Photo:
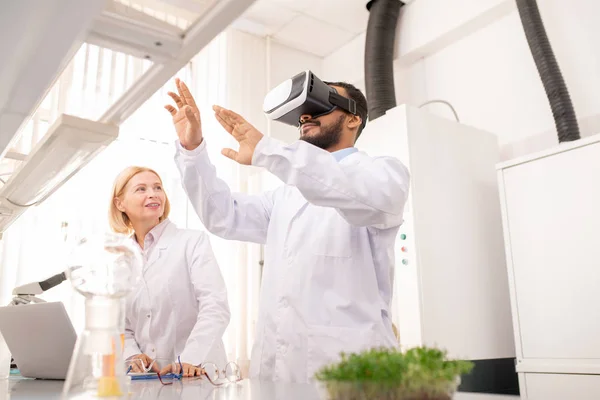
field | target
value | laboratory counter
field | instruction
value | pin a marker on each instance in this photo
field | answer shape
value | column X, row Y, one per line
column 16, row 388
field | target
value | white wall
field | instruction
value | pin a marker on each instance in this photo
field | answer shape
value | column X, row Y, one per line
column 490, row 77
column 247, row 84
column 347, row 64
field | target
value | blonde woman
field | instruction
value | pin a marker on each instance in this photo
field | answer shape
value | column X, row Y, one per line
column 179, row 308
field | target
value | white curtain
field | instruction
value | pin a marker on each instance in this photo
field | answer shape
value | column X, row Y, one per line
column 34, row 247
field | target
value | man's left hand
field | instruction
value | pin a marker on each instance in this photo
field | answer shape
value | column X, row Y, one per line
column 246, row 135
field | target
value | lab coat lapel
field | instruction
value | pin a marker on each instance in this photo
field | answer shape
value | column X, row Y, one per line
column 163, row 243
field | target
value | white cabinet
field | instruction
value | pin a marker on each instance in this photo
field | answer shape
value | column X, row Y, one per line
column 551, row 218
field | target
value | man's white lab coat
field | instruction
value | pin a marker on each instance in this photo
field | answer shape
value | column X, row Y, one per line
column 180, row 306
column 329, row 257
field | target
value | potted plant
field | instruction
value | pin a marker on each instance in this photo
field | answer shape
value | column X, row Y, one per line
column 420, row 373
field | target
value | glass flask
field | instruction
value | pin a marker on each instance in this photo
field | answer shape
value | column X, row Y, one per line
column 104, row 269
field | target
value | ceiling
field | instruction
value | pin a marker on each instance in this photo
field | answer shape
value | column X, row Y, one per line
column 319, row 27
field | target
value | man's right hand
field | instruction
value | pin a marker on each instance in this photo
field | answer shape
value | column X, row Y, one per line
column 186, row 117
column 140, row 362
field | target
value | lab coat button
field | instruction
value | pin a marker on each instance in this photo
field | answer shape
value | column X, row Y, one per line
column 148, row 315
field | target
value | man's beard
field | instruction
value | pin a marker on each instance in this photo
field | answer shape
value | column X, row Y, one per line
column 327, row 137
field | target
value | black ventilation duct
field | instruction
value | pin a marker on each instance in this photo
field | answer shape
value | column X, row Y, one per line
column 554, row 84
column 379, row 56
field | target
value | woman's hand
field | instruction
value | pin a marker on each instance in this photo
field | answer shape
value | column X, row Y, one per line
column 189, row 370
column 186, row 117
column 140, row 362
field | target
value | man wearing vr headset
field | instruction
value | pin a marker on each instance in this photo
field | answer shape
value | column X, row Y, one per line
column 329, row 231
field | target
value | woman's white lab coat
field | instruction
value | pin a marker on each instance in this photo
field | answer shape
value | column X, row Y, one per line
column 180, row 306
column 329, row 258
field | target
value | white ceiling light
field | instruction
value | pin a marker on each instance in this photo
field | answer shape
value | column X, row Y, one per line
column 70, row 143
column 39, row 38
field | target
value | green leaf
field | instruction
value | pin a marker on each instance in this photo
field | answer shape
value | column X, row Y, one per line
column 421, row 370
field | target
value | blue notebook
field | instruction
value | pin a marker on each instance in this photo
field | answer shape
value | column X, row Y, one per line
column 151, row 375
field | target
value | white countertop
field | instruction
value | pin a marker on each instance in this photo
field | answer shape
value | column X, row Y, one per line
column 31, row 389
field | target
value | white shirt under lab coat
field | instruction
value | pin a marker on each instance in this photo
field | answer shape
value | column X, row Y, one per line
column 179, row 307
column 329, row 255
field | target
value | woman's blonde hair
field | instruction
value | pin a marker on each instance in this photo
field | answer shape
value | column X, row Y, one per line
column 118, row 220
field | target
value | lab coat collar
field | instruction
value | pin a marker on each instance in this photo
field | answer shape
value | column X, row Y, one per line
column 341, row 154
column 352, row 157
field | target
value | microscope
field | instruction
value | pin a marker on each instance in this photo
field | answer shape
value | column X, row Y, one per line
column 26, row 294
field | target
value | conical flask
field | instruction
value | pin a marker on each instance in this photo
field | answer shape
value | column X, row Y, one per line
column 104, row 269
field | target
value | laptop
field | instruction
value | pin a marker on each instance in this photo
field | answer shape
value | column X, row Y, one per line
column 40, row 337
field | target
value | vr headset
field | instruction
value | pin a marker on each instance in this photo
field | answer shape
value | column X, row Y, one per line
column 304, row 94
